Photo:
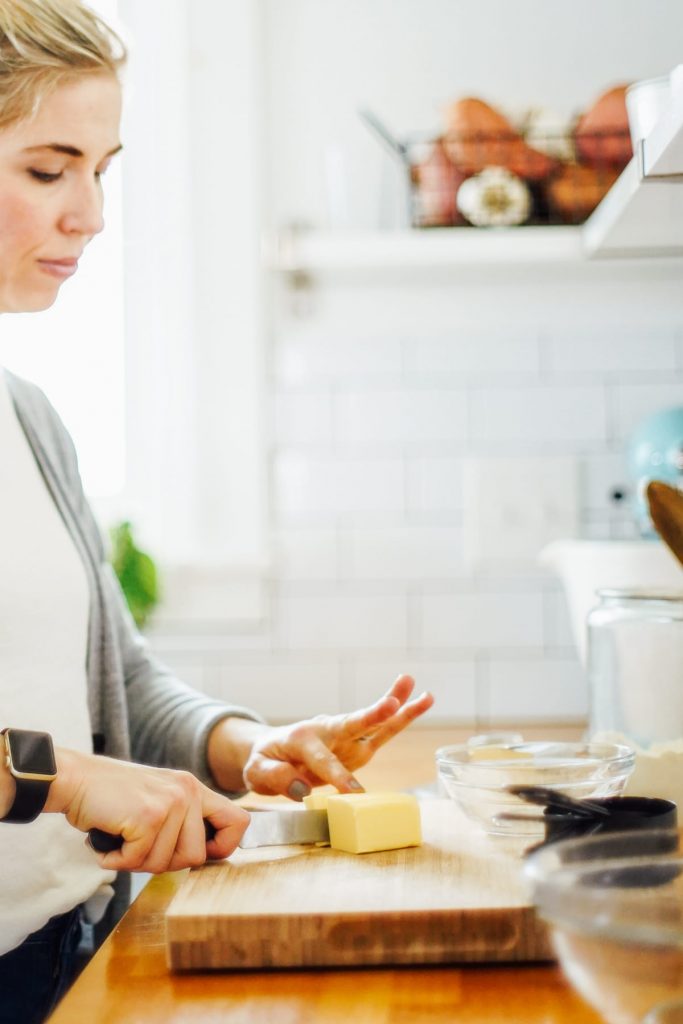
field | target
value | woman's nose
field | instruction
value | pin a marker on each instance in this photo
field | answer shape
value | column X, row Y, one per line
column 83, row 215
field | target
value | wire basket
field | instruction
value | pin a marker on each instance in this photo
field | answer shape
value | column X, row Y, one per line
column 518, row 178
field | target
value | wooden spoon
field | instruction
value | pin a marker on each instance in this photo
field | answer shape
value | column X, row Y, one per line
column 666, row 511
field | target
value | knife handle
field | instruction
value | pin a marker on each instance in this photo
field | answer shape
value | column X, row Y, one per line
column 105, row 842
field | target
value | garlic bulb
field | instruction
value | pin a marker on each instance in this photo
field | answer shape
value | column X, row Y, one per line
column 494, row 198
column 549, row 132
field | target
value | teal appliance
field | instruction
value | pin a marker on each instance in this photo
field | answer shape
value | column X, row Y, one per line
column 655, row 452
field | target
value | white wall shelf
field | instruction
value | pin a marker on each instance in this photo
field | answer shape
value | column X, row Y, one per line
column 318, row 251
column 642, row 214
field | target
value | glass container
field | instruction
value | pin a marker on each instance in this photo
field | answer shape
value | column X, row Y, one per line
column 635, row 665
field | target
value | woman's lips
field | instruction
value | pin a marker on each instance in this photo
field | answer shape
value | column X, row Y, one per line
column 59, row 268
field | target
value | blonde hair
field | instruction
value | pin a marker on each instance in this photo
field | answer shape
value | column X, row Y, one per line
column 44, row 43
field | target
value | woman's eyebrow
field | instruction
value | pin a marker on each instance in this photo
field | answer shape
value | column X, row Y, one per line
column 58, row 147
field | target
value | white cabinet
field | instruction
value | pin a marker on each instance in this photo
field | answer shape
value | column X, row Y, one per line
column 643, row 212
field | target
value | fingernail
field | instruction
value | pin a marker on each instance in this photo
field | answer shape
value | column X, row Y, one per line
column 355, row 785
column 298, row 790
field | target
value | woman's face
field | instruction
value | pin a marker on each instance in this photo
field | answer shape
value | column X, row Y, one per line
column 51, row 190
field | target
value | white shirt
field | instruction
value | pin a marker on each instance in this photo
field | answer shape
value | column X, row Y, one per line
column 45, row 867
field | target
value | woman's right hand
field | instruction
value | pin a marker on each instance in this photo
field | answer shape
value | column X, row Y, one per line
column 159, row 812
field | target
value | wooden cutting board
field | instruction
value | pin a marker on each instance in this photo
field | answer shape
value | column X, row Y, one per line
column 458, row 898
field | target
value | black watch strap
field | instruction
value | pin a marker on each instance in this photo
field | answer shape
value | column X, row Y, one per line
column 29, row 801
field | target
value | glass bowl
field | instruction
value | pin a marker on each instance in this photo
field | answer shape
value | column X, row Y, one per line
column 614, row 904
column 477, row 777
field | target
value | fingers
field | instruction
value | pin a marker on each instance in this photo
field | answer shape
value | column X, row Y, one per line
column 191, row 847
column 360, row 723
column 316, row 765
column 402, row 688
column 367, row 721
column 181, row 836
column 407, row 714
column 325, row 749
column 151, row 831
column 166, row 831
column 378, row 726
column 230, row 823
column 180, row 841
column 326, row 767
column 274, row 777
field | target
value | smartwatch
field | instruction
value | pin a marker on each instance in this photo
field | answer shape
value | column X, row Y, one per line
column 30, row 758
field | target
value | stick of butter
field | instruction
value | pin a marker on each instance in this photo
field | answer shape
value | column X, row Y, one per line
column 318, row 801
column 368, row 822
column 498, row 754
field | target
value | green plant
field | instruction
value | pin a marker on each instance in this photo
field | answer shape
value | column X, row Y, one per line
column 136, row 573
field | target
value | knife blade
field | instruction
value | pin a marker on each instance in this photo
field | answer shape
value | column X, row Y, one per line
column 283, row 828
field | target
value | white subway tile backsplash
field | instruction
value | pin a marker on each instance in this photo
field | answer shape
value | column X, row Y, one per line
column 633, row 402
column 515, row 506
column 305, row 554
column 538, row 416
column 615, row 350
column 472, row 351
column 434, row 484
column 607, row 526
column 282, row 691
column 309, row 486
column 600, row 474
column 544, row 690
column 402, row 416
column 315, row 354
column 401, row 553
column 453, row 684
column 482, row 620
column 377, row 400
column 623, row 528
column 303, row 419
column 340, row 622
column 183, row 641
column 558, row 628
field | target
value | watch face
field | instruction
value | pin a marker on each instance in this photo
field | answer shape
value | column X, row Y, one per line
column 31, row 752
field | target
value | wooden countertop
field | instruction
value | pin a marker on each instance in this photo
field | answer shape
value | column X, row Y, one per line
column 128, row 982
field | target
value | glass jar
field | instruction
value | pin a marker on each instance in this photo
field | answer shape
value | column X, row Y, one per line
column 635, row 665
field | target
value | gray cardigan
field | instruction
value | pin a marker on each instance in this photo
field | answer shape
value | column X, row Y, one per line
column 138, row 709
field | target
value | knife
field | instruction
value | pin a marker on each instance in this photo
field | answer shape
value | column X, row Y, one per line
column 282, row 828
column 266, row 828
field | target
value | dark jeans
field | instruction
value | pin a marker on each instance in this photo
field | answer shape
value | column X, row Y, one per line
column 35, row 975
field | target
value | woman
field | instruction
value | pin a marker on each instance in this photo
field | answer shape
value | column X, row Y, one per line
column 74, row 673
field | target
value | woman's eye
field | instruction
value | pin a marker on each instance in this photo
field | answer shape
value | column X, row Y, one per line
column 44, row 175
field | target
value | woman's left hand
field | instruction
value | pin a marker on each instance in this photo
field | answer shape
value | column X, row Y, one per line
column 291, row 759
